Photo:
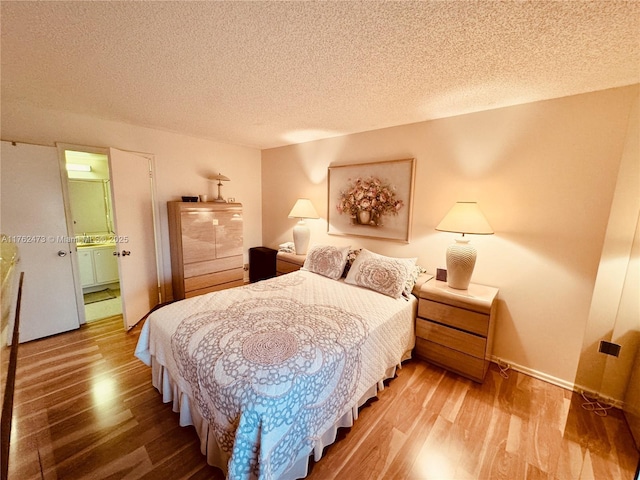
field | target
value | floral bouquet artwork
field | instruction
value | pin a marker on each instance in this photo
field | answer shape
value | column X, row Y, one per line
column 371, row 199
column 366, row 200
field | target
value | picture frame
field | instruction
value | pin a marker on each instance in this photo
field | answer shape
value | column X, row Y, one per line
column 372, row 200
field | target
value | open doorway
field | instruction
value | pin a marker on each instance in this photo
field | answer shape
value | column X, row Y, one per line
column 122, row 223
column 91, row 209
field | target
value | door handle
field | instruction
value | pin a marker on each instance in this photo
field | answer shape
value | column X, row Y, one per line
column 125, row 253
column 62, row 253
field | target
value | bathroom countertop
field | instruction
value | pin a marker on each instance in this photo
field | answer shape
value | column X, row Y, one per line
column 95, row 245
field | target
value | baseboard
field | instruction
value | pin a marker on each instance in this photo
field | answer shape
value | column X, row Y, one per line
column 559, row 382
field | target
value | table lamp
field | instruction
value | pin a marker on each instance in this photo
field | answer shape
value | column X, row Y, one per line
column 221, row 178
column 301, row 210
column 464, row 217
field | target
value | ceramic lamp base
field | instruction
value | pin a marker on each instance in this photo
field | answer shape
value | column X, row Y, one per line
column 461, row 260
column 301, row 236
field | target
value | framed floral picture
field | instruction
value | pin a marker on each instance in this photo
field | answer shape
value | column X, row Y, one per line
column 372, row 199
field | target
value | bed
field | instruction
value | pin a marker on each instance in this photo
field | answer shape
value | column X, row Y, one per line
column 267, row 372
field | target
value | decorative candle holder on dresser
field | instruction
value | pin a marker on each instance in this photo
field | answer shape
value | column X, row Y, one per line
column 454, row 328
column 206, row 247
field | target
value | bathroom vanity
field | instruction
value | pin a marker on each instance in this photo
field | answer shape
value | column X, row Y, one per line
column 98, row 264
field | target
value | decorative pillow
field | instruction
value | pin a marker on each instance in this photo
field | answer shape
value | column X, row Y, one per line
column 351, row 256
column 412, row 279
column 386, row 275
column 326, row 260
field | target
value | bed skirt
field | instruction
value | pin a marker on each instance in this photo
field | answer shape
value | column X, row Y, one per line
column 189, row 415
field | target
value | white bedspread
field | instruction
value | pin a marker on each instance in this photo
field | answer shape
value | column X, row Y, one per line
column 270, row 367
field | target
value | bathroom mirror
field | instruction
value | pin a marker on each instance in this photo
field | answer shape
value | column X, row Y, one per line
column 90, row 206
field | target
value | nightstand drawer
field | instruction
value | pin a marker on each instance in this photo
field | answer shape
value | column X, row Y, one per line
column 450, row 337
column 286, row 267
column 288, row 262
column 466, row 365
column 473, row 322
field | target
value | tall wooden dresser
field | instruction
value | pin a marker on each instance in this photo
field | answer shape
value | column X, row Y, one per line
column 206, row 247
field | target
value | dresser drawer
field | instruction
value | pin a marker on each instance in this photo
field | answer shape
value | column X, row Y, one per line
column 213, row 288
column 450, row 337
column 466, row 365
column 211, row 266
column 473, row 322
column 212, row 279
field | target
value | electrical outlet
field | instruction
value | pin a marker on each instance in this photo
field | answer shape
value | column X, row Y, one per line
column 609, row 348
column 246, row 267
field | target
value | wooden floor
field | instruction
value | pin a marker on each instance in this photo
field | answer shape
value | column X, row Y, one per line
column 85, row 408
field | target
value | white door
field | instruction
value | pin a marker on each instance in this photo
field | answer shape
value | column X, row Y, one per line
column 132, row 195
column 32, row 214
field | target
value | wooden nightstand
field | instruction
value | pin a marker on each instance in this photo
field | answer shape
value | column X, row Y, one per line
column 454, row 328
column 288, row 262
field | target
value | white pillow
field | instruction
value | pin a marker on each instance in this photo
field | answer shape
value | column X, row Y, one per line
column 412, row 279
column 386, row 275
column 326, row 260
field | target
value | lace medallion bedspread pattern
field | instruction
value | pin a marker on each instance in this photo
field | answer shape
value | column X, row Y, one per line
column 267, row 373
column 271, row 366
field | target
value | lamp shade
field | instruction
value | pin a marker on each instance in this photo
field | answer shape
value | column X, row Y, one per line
column 219, row 177
column 465, row 217
column 303, row 209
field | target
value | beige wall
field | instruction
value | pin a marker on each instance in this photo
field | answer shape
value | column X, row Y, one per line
column 543, row 173
column 182, row 163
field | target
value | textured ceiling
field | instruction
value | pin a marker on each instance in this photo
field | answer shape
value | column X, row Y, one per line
column 266, row 74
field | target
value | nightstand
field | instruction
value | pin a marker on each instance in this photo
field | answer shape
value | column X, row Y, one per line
column 288, row 262
column 262, row 263
column 454, row 328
